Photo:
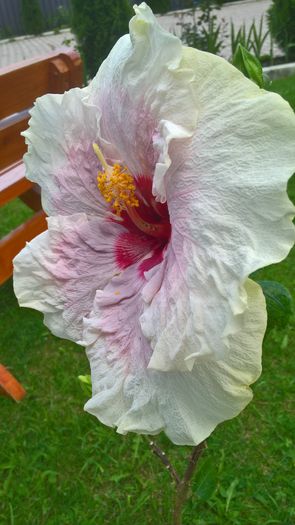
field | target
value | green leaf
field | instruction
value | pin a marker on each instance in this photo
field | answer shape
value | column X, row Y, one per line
column 118, row 477
column 284, row 342
column 249, row 65
column 279, row 303
column 206, row 479
column 85, row 382
column 230, row 492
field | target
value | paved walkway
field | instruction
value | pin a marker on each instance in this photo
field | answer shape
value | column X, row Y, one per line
column 23, row 48
column 240, row 12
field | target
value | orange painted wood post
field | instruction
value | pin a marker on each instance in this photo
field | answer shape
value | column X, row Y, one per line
column 9, row 386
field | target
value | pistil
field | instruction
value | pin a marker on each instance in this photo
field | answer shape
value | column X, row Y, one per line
column 159, row 230
column 118, row 188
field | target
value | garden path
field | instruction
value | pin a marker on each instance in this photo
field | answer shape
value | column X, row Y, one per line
column 21, row 48
column 240, row 13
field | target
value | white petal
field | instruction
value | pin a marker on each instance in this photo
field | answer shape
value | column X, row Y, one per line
column 229, row 211
column 143, row 90
column 186, row 405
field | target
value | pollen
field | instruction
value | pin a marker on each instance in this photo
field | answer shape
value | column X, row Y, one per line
column 116, row 185
column 118, row 188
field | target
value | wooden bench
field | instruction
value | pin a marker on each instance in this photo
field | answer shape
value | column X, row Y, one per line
column 20, row 85
column 9, row 386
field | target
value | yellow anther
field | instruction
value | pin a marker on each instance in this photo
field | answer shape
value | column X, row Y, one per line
column 116, row 184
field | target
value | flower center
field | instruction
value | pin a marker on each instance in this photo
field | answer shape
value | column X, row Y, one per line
column 116, row 185
column 119, row 189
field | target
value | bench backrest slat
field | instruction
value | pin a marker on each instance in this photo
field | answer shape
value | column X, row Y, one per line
column 12, row 144
column 20, row 85
column 13, row 243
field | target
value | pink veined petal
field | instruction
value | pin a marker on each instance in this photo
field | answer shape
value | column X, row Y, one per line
column 132, row 247
column 116, row 347
column 60, row 156
column 59, row 271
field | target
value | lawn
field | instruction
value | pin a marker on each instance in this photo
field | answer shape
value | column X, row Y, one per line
column 60, row 466
column 286, row 88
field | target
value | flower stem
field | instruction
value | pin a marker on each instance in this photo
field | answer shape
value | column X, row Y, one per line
column 184, row 484
column 164, row 459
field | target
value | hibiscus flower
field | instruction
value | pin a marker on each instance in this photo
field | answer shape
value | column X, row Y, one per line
column 164, row 182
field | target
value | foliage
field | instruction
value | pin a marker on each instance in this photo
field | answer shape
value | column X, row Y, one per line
column 281, row 20
column 203, row 32
column 97, row 25
column 32, row 17
column 279, row 304
column 60, row 19
column 240, row 37
column 206, row 479
column 286, row 88
column 258, row 38
column 249, row 65
column 85, row 382
column 160, row 6
column 251, row 40
column 6, row 32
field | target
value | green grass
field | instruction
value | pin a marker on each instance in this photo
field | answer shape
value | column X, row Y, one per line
column 60, row 466
column 286, row 88
column 12, row 215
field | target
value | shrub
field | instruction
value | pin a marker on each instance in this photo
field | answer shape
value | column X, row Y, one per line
column 162, row 6
column 60, row 19
column 202, row 31
column 281, row 21
column 252, row 39
column 97, row 25
column 32, row 17
column 6, row 32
